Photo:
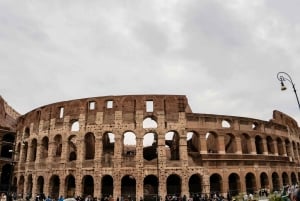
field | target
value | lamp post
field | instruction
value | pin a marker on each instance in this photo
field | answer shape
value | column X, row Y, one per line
column 282, row 77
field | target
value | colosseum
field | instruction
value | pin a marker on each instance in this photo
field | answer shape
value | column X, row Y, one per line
column 143, row 146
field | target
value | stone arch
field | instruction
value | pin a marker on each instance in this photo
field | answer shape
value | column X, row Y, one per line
column 234, row 184
column 44, row 147
column 174, row 185
column 172, row 145
column 192, row 138
column 27, row 132
column 270, row 145
column 288, row 147
column 259, row 145
column 212, row 142
column 215, row 182
column 89, row 142
column 128, row 187
column 88, row 185
column 33, row 150
column 57, row 145
column 25, row 152
column 264, row 180
column 150, row 188
column 21, row 185
column 150, row 122
column 195, row 184
column 250, row 183
column 108, row 145
column 128, row 148
column 150, row 146
column 280, row 146
column 230, row 143
column 70, row 186
column 75, row 125
column 246, row 143
column 285, row 179
column 72, row 148
column 29, row 185
column 54, row 185
column 6, row 173
column 275, row 181
column 40, row 185
column 293, row 178
column 107, row 186
column 294, row 150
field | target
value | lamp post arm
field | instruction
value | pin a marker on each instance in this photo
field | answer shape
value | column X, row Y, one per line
column 283, row 76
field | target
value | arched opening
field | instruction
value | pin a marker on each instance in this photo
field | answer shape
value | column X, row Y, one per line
column 29, row 186
column 234, row 184
column 150, row 146
column 245, row 143
column 108, row 141
column 259, row 145
column 270, row 145
column 215, row 182
column 280, row 147
column 151, row 188
column 250, row 183
column 192, row 139
column 230, row 143
column 75, row 126
column 264, row 180
column 72, row 148
column 293, row 178
column 89, row 141
column 128, row 188
column 44, row 148
column 70, row 186
column 285, row 179
column 107, row 186
column 20, row 185
column 88, row 186
column 40, row 185
column 226, row 123
column 212, row 142
column 276, row 182
column 174, row 185
column 33, row 150
column 58, row 145
column 195, row 184
column 172, row 145
column 54, row 187
column 149, row 122
column 288, row 148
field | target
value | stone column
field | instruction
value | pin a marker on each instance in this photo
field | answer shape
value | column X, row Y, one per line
column 221, row 143
column 265, row 146
column 238, row 144
column 139, row 166
column 253, row 146
column 275, row 145
column 203, row 144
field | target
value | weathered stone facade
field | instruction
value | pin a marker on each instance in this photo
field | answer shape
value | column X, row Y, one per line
column 144, row 145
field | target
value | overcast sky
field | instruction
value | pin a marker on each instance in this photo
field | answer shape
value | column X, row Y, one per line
column 223, row 55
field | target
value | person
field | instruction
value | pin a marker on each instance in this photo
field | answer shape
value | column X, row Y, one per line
column 3, row 197
column 295, row 196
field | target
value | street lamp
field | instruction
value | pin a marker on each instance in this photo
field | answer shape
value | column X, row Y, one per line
column 283, row 76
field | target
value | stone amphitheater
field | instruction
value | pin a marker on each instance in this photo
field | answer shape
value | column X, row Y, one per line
column 136, row 146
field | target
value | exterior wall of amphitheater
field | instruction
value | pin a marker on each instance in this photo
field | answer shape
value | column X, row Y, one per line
column 78, row 147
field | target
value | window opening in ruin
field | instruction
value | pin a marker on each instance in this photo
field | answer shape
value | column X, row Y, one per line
column 215, row 181
column 226, row 124
column 75, row 126
column 254, row 126
column 246, row 144
column 270, row 145
column 58, row 145
column 27, row 132
column 149, row 106
column 33, row 150
column 72, row 148
column 259, row 145
column 172, row 145
column 107, row 186
column 109, row 104
column 108, row 141
column 234, row 184
column 173, row 185
column 92, row 105
column 61, row 112
column 129, row 144
column 230, row 144
column 212, row 142
column 150, row 146
column 89, row 141
column 192, row 141
column 45, row 144
column 195, row 184
column 149, row 122
column 151, row 188
column 128, row 187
